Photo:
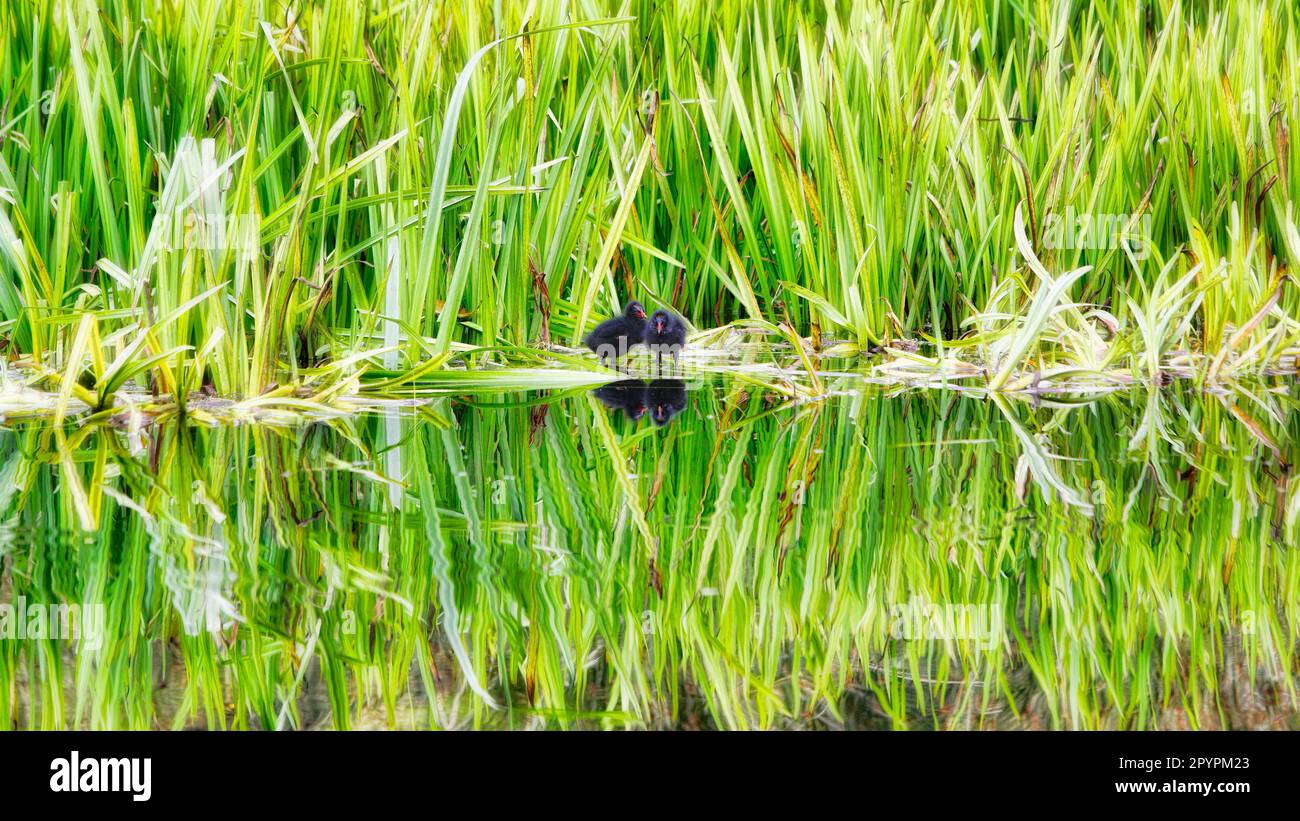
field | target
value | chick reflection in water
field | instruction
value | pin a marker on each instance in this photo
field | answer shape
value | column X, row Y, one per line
column 661, row 398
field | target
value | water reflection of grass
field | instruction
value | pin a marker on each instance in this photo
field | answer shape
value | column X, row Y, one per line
column 742, row 566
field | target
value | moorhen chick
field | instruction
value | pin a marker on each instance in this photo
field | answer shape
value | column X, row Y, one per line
column 665, row 333
column 666, row 398
column 614, row 337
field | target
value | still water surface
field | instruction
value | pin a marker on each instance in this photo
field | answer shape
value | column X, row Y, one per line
column 661, row 554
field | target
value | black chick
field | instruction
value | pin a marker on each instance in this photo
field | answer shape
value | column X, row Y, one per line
column 666, row 398
column 665, row 333
column 614, row 337
column 627, row 395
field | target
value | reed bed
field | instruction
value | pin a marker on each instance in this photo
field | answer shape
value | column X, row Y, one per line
column 240, row 196
column 991, row 305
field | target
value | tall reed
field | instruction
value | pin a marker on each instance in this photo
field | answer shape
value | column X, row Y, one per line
column 234, row 193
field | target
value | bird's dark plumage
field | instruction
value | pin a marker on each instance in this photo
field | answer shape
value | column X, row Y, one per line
column 614, row 337
column 665, row 333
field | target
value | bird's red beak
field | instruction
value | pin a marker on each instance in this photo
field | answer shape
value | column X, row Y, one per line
column 640, row 314
column 659, row 325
